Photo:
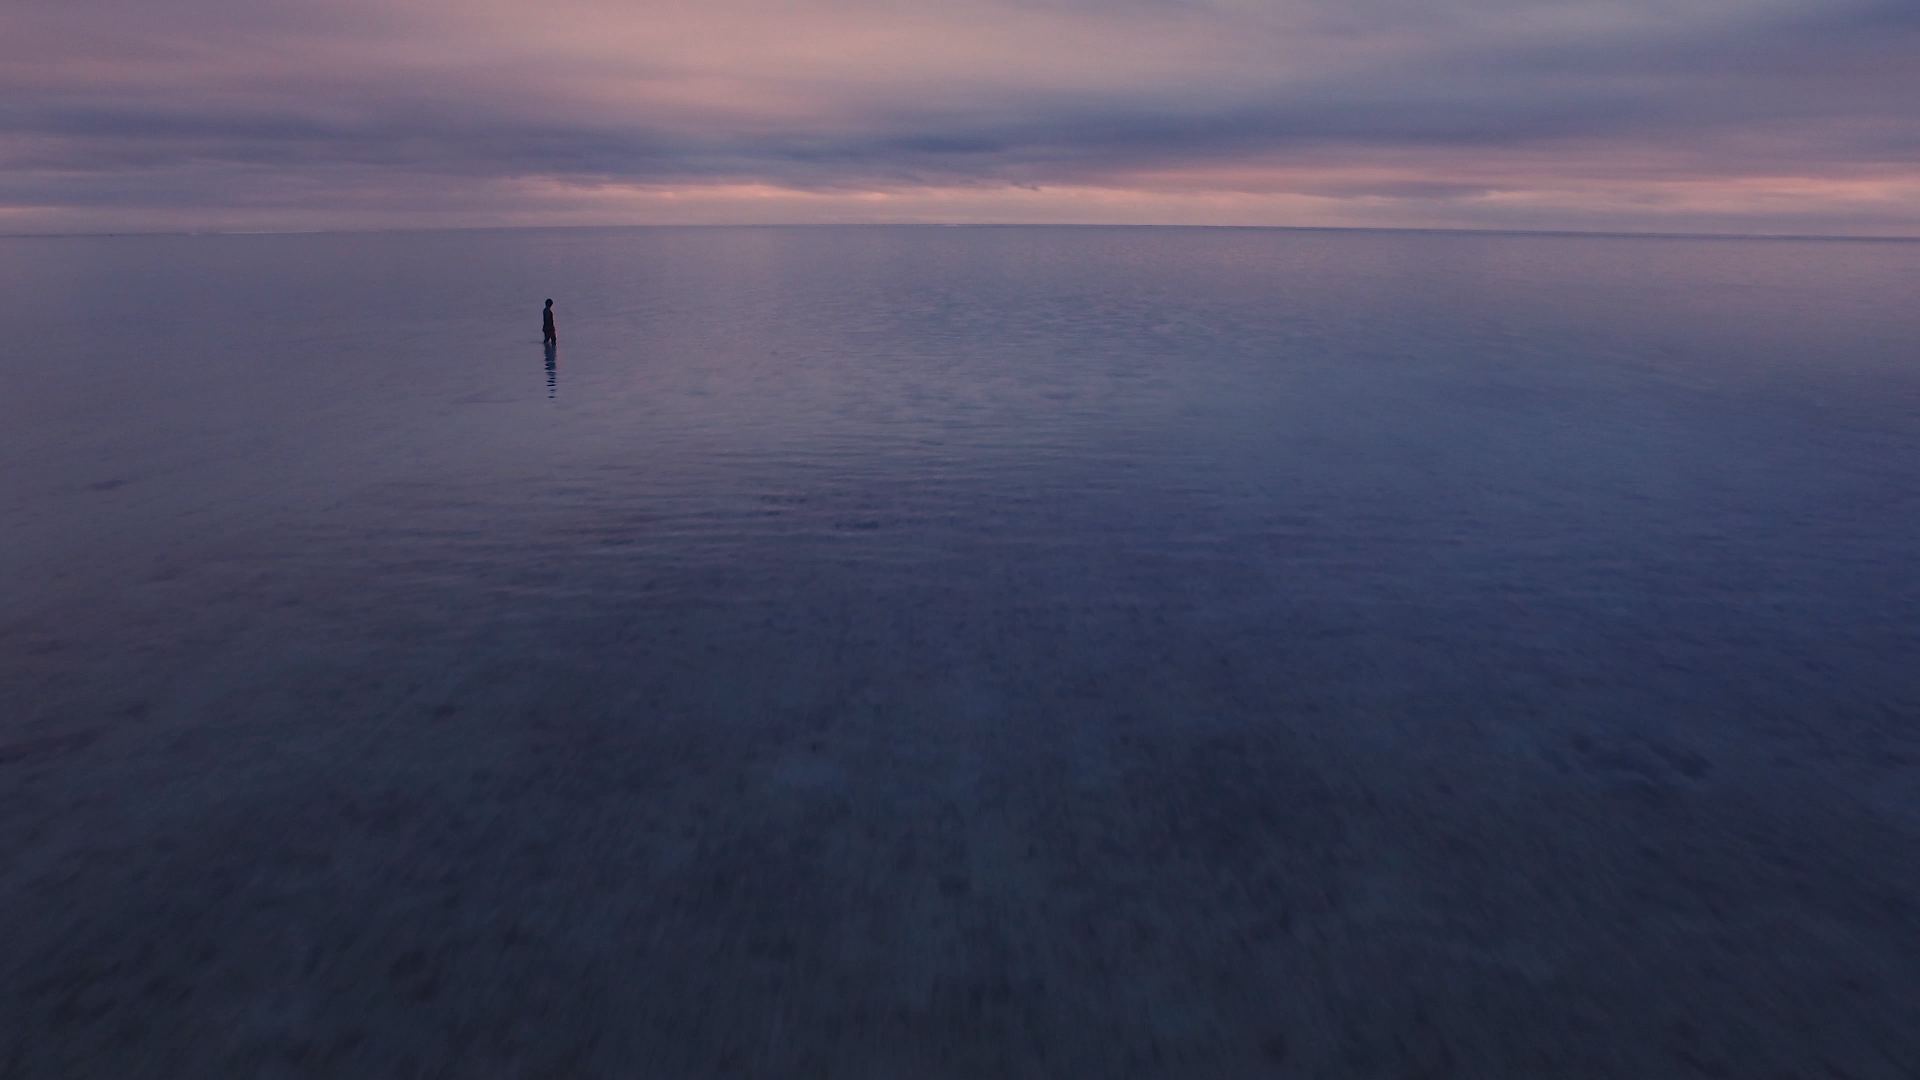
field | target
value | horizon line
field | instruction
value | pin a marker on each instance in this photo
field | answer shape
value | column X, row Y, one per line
column 1598, row 233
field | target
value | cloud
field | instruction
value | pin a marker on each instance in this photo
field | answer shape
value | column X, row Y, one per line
column 1734, row 115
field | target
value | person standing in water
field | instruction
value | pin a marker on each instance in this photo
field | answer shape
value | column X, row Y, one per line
column 546, row 324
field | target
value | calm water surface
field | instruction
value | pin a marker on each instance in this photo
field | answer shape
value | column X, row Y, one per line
column 959, row 652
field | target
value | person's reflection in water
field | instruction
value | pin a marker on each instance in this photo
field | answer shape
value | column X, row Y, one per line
column 553, row 372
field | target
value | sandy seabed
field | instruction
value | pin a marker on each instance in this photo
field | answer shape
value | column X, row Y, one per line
column 588, row 821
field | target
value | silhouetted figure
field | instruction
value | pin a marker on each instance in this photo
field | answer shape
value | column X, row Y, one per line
column 546, row 324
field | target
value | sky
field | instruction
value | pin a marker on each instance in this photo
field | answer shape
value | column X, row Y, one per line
column 1715, row 116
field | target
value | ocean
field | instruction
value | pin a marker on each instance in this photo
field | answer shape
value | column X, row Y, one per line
column 959, row 652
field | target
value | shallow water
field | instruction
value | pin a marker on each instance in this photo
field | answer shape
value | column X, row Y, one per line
column 959, row 652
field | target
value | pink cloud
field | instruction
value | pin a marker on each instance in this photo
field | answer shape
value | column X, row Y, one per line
column 1735, row 115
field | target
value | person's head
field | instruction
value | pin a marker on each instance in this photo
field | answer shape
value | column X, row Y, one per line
column 549, row 303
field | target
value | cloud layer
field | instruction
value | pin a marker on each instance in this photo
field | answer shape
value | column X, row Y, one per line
column 1780, row 116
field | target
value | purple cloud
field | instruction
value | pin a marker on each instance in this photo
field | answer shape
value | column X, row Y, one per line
column 1735, row 115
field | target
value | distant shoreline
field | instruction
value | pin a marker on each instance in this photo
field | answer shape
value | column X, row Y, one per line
column 1603, row 234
